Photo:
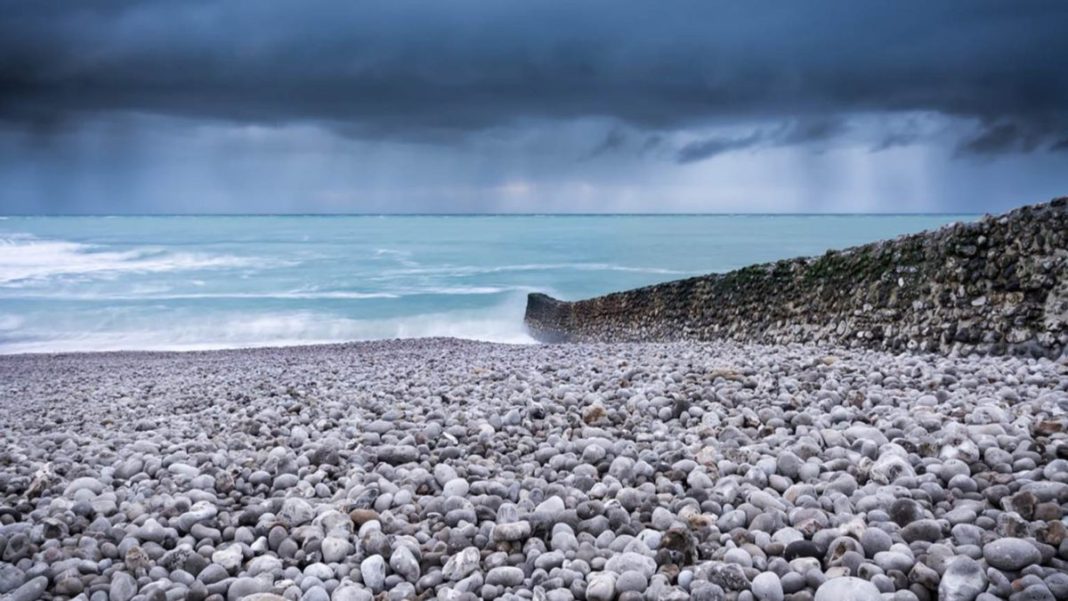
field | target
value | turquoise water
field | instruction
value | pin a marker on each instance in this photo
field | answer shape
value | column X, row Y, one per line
column 107, row 283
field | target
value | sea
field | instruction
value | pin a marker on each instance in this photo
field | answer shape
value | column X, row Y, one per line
column 207, row 282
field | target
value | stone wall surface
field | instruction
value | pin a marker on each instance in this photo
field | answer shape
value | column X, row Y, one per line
column 995, row 286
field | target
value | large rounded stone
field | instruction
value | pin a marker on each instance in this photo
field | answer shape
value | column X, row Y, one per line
column 123, row 587
column 510, row 532
column 373, row 571
column 601, row 587
column 505, row 576
column 625, row 562
column 30, row 591
column 767, row 587
column 847, row 589
column 963, row 580
column 460, row 565
column 1011, row 554
column 403, row 562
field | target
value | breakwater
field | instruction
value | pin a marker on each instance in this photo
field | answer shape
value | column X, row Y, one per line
column 998, row 285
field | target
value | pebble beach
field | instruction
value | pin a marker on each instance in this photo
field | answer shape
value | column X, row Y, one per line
column 458, row 470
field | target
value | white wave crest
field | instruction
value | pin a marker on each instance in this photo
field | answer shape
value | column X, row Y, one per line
column 25, row 257
column 401, row 256
column 156, row 294
column 466, row 270
column 468, row 290
column 504, row 325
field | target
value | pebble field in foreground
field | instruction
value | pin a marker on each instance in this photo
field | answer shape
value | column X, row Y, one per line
column 447, row 469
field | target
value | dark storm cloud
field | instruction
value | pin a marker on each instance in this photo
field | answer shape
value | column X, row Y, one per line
column 614, row 140
column 817, row 130
column 709, row 147
column 1005, row 137
column 802, row 132
column 894, row 139
column 432, row 70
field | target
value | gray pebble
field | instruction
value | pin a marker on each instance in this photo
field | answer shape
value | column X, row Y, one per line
column 373, row 571
column 1011, row 554
column 123, row 587
column 767, row 587
column 847, row 589
column 29, row 591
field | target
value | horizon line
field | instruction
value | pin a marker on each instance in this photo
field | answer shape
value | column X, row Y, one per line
column 490, row 214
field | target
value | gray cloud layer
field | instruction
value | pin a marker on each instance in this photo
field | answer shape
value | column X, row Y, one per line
column 432, row 70
column 516, row 105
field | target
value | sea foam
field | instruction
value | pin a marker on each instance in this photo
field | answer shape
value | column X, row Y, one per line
column 26, row 257
column 503, row 324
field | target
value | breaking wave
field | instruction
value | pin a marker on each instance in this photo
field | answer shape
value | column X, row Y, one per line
column 219, row 331
column 156, row 295
column 464, row 270
column 25, row 257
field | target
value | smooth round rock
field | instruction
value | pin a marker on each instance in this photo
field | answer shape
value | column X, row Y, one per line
column 30, row 590
column 123, row 587
column 631, row 581
column 601, row 587
column 1011, row 554
column 373, row 572
column 505, row 576
column 847, row 588
column 457, row 487
column 767, row 587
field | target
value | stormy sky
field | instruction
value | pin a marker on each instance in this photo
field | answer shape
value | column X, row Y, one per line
column 118, row 106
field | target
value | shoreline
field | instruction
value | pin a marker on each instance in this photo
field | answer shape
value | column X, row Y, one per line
column 378, row 344
column 266, row 348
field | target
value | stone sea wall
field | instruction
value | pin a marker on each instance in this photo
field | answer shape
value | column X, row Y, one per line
column 995, row 286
